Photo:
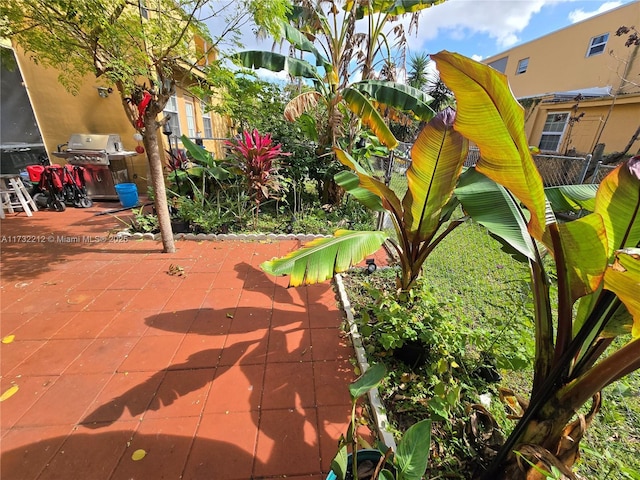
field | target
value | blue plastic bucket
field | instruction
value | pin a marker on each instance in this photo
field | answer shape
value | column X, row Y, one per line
column 128, row 194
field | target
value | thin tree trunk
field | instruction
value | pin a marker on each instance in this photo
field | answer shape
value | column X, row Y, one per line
column 152, row 146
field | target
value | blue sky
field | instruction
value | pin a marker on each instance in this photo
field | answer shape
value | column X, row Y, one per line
column 482, row 28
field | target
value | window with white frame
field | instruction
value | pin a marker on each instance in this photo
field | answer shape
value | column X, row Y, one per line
column 522, row 66
column 552, row 131
column 206, row 119
column 171, row 108
column 597, row 45
column 191, row 119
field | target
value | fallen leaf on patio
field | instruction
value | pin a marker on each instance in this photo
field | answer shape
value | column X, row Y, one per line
column 9, row 393
column 176, row 270
column 138, row 455
column 8, row 339
column 22, row 284
column 229, row 315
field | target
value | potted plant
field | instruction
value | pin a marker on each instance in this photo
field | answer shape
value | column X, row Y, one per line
column 408, row 462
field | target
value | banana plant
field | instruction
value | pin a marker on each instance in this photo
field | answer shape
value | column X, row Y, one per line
column 597, row 256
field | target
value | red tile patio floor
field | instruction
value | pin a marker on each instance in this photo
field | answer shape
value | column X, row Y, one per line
column 221, row 373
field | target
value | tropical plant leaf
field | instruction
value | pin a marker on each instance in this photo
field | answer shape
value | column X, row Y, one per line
column 339, row 463
column 198, row 153
column 367, row 381
column 412, row 454
column 491, row 117
column 300, row 104
column 393, row 7
column 618, row 201
column 351, row 183
column 491, row 205
column 301, row 42
column 277, row 62
column 572, row 197
column 359, row 105
column 584, row 243
column 389, row 199
column 320, row 259
column 623, row 279
column 437, row 155
column 398, row 96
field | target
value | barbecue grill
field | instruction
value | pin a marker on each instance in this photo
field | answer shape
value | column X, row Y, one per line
column 103, row 158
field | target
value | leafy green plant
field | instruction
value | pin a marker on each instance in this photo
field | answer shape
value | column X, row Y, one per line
column 255, row 156
column 408, row 462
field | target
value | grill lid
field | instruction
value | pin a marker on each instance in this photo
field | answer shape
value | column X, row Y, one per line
column 110, row 143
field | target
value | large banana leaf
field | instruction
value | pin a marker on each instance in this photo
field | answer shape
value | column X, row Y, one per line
column 359, row 105
column 490, row 116
column 398, row 96
column 584, row 243
column 492, row 206
column 351, row 183
column 301, row 42
column 618, row 201
column 438, row 156
column 392, row 7
column 564, row 198
column 300, row 104
column 277, row 62
column 320, row 259
column 623, row 279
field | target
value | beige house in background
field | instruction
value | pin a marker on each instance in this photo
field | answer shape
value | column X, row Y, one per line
column 580, row 85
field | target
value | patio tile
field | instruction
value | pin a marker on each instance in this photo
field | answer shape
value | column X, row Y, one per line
column 288, row 385
column 145, row 300
column 13, row 354
column 258, row 298
column 42, row 326
column 151, row 354
column 225, row 444
column 331, row 382
column 176, row 322
column 126, row 324
column 85, row 325
column 104, row 355
column 212, row 322
column 65, row 401
column 237, row 388
column 185, row 298
column 289, row 345
column 222, row 298
column 125, row 397
column 198, row 351
column 182, row 393
column 30, row 389
column 329, row 344
column 52, row 358
column 246, row 348
column 90, row 454
column 26, row 451
column 110, row 301
column 287, row 443
column 12, row 321
column 166, row 441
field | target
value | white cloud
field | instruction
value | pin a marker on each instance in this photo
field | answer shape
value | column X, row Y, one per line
column 579, row 14
column 477, row 58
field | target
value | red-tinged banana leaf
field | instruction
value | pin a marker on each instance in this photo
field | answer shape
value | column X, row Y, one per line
column 618, row 201
column 490, row 116
column 438, row 156
column 367, row 113
column 492, row 206
column 320, row 259
column 351, row 183
column 398, row 96
column 389, row 199
column 623, row 279
column 277, row 62
column 584, row 245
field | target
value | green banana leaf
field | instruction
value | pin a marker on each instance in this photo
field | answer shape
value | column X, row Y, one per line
column 492, row 206
column 392, row 7
column 412, row 454
column 398, row 96
column 438, row 156
column 618, row 201
column 623, row 279
column 301, row 42
column 565, row 198
column 320, row 259
column 277, row 62
column 359, row 105
column 489, row 116
column 351, row 183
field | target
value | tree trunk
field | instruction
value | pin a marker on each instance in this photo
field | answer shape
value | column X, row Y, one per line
column 151, row 144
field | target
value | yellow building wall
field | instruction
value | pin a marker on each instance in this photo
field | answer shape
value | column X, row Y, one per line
column 558, row 61
column 60, row 114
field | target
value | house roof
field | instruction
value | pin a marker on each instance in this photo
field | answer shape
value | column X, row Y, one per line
column 567, row 95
